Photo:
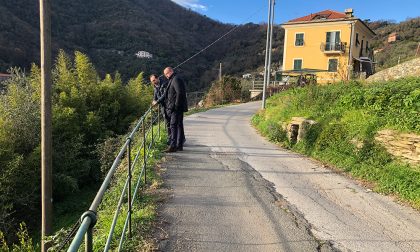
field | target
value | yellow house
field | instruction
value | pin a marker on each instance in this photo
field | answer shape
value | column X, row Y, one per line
column 334, row 45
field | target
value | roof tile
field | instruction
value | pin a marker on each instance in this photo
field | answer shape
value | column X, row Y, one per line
column 326, row 14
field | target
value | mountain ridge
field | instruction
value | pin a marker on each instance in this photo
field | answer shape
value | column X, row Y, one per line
column 99, row 28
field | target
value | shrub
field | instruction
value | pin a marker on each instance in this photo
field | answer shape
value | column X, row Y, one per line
column 227, row 90
column 86, row 111
column 25, row 242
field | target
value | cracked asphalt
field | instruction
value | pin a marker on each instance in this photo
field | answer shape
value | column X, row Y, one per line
column 231, row 190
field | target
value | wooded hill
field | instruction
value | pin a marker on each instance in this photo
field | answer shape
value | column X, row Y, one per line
column 111, row 32
column 403, row 49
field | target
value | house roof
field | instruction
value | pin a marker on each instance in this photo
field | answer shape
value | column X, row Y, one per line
column 325, row 16
column 322, row 15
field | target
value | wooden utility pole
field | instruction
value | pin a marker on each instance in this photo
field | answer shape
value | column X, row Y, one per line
column 271, row 44
column 267, row 65
column 46, row 124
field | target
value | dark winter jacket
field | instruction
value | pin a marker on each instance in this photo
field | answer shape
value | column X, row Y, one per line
column 176, row 96
column 159, row 91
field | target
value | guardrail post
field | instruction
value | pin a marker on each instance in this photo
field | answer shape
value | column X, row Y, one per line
column 144, row 149
column 89, row 233
column 89, row 240
column 158, row 116
column 152, row 119
column 129, row 186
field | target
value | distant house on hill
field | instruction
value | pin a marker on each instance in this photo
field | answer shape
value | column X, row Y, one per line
column 247, row 76
column 144, row 54
column 392, row 37
column 4, row 77
column 334, row 45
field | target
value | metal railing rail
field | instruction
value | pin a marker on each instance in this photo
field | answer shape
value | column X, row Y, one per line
column 333, row 47
column 89, row 218
column 258, row 85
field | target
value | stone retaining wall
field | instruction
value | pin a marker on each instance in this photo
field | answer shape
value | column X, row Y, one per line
column 297, row 128
column 408, row 68
column 404, row 146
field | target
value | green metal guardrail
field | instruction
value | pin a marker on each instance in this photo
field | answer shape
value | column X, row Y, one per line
column 89, row 218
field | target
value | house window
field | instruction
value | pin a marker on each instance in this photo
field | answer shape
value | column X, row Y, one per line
column 332, row 65
column 367, row 46
column 333, row 41
column 299, row 39
column 357, row 39
column 297, row 64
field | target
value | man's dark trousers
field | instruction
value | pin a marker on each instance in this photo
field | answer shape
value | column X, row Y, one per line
column 167, row 119
column 177, row 129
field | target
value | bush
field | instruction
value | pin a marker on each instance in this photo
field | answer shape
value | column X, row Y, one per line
column 25, row 242
column 225, row 91
column 276, row 133
column 86, row 112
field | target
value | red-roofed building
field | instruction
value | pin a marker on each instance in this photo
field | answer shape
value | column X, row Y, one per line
column 333, row 44
column 322, row 15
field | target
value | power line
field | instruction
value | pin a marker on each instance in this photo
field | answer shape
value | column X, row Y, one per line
column 205, row 48
column 217, row 40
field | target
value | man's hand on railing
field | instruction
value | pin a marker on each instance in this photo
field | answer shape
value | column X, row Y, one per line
column 154, row 103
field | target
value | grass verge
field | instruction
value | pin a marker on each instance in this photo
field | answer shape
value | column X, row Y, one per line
column 145, row 206
column 348, row 116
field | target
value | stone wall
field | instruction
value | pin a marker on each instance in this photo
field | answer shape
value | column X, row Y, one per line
column 297, row 128
column 408, row 68
column 404, row 146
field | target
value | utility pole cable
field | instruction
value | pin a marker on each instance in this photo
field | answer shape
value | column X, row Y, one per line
column 46, row 122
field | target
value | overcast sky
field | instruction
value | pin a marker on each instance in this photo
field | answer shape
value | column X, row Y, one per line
column 244, row 11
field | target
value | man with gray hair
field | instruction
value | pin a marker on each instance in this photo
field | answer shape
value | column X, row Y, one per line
column 175, row 105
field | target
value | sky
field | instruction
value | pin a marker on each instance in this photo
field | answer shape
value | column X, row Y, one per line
column 256, row 11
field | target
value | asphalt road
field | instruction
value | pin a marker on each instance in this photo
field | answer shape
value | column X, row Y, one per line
column 231, row 190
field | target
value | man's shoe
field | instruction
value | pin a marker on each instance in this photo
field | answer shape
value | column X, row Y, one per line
column 179, row 148
column 170, row 149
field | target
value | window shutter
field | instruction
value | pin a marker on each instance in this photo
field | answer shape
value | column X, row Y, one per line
column 337, row 37
column 297, row 64
column 332, row 65
column 328, row 38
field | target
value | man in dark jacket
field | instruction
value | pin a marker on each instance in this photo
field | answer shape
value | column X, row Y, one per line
column 175, row 105
column 159, row 92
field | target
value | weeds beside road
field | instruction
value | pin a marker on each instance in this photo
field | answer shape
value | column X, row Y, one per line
column 351, row 112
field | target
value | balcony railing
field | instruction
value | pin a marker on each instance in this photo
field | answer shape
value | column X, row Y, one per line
column 333, row 47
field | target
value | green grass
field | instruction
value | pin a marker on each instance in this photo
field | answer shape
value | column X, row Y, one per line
column 144, row 210
column 352, row 112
